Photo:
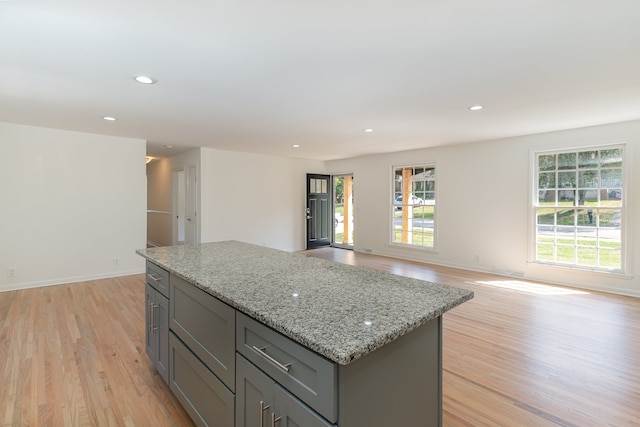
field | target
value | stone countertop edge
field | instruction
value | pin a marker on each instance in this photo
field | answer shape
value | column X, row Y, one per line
column 340, row 311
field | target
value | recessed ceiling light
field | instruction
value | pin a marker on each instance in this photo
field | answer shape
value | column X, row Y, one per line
column 145, row 80
column 476, row 108
column 109, row 118
column 368, row 130
column 296, row 145
column 168, row 147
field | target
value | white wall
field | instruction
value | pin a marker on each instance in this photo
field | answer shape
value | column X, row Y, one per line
column 70, row 203
column 254, row 198
column 483, row 204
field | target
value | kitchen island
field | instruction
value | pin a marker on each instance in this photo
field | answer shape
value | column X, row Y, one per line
column 278, row 338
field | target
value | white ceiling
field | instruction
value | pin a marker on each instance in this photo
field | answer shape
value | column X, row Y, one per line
column 260, row 76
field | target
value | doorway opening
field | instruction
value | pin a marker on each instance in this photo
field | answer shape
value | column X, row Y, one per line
column 319, row 224
column 330, row 208
column 185, row 202
column 343, row 209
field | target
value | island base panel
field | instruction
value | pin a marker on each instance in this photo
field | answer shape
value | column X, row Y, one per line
column 397, row 385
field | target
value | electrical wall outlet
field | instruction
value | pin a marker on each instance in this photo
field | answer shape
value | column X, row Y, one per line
column 116, row 261
column 11, row 272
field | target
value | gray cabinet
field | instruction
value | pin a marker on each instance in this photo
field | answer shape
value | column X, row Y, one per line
column 260, row 401
column 202, row 354
column 228, row 369
column 207, row 326
column 309, row 376
column 158, row 277
column 398, row 384
column 254, row 395
column 157, row 328
column 207, row 400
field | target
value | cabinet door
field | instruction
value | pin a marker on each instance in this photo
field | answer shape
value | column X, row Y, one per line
column 206, row 325
column 254, row 395
column 162, row 336
column 157, row 330
column 205, row 398
column 291, row 412
column 150, row 338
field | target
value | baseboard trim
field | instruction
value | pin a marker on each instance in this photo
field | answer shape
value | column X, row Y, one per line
column 514, row 274
column 67, row 280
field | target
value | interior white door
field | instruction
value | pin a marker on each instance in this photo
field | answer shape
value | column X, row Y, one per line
column 180, row 209
column 191, row 202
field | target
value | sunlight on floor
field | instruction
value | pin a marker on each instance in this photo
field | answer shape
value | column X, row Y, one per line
column 531, row 288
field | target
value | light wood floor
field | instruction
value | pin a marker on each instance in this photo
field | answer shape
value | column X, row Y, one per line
column 74, row 355
column 518, row 354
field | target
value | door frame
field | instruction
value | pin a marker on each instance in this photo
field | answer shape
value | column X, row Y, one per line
column 319, row 211
column 192, row 235
column 185, row 201
column 348, row 217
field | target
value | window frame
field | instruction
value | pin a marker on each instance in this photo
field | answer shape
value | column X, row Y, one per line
column 581, row 207
column 431, row 204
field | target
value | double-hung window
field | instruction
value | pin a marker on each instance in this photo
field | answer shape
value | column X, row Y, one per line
column 413, row 205
column 579, row 206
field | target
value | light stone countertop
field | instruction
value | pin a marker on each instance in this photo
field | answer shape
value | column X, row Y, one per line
column 340, row 311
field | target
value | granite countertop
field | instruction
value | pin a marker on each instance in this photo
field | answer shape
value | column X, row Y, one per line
column 340, row 311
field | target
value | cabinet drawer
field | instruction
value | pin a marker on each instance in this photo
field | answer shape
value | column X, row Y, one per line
column 294, row 413
column 158, row 278
column 206, row 325
column 204, row 397
column 307, row 375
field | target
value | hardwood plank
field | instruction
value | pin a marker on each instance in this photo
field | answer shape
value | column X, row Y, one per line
column 518, row 354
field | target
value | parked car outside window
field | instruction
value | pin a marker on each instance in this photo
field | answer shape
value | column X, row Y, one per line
column 413, row 200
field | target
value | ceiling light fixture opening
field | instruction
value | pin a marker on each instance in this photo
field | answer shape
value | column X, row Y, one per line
column 476, row 108
column 368, row 130
column 296, row 145
column 168, row 147
column 110, row 118
column 145, row 80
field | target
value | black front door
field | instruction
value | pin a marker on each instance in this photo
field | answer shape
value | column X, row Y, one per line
column 318, row 210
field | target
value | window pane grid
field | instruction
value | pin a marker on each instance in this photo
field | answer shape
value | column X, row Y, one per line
column 413, row 205
column 578, row 208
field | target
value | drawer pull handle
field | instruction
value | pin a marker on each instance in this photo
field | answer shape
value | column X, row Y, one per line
column 154, row 321
column 274, row 420
column 263, row 408
column 262, row 353
column 154, row 277
column 150, row 317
